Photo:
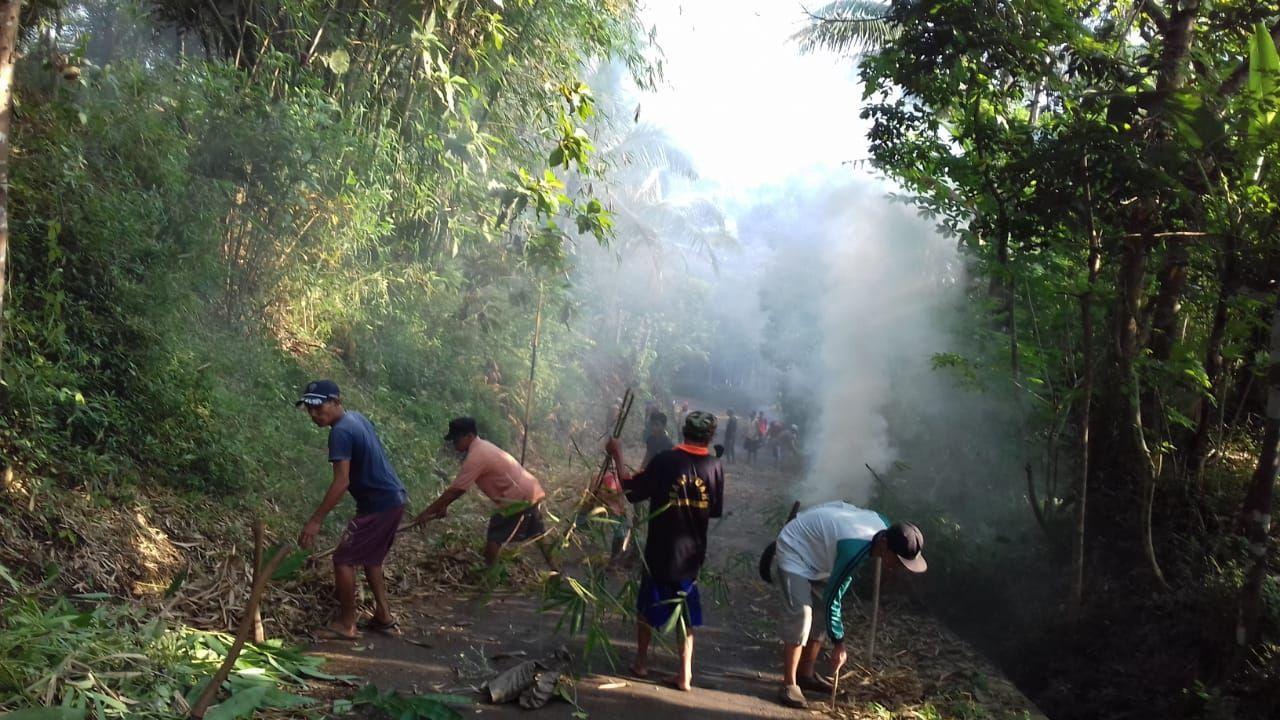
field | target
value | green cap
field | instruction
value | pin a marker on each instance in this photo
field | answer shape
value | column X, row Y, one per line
column 699, row 426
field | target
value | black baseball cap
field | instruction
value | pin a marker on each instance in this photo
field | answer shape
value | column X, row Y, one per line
column 461, row 427
column 317, row 392
column 907, row 542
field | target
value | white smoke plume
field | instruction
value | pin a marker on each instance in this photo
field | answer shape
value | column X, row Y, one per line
column 892, row 283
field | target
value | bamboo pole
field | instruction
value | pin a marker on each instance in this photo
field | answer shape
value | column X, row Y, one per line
column 533, row 368
column 259, row 537
column 261, row 575
column 403, row 528
column 624, row 410
column 875, row 612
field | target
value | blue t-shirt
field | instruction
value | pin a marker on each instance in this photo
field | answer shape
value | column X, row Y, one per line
column 373, row 483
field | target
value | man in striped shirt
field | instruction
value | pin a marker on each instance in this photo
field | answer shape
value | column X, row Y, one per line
column 816, row 557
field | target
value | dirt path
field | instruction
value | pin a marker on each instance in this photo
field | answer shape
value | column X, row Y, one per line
column 451, row 643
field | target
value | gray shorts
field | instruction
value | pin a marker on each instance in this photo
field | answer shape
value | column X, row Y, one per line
column 800, row 597
column 513, row 528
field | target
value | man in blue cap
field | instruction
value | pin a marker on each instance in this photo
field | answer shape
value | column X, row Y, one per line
column 360, row 467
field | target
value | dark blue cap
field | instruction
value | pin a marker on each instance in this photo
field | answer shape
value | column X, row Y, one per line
column 317, row 392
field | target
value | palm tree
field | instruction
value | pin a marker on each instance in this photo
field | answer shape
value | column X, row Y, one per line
column 848, row 27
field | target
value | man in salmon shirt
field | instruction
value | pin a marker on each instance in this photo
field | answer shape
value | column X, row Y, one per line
column 516, row 492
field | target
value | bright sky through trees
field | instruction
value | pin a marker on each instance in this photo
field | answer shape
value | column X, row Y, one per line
column 743, row 102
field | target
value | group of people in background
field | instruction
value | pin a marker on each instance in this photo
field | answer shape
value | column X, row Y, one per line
column 782, row 441
column 812, row 562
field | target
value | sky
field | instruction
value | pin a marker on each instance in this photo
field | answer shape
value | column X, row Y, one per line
column 740, row 98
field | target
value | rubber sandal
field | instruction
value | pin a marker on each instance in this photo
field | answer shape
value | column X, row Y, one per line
column 816, row 683
column 377, row 625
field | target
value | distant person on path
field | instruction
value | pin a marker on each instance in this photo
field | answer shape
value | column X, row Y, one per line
column 730, row 437
column 360, row 467
column 813, row 564
column 656, row 439
column 681, row 412
column 754, row 439
column 773, row 438
column 685, row 486
column 502, row 479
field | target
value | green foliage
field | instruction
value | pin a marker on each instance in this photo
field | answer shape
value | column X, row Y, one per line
column 112, row 661
column 391, row 704
column 192, row 239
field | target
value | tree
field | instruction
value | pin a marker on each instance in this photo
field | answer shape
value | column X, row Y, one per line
column 1255, row 516
column 9, row 15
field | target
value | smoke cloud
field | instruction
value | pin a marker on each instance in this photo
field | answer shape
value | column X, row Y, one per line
column 891, row 283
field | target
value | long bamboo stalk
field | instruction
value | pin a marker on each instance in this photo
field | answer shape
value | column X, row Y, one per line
column 533, row 369
column 624, row 410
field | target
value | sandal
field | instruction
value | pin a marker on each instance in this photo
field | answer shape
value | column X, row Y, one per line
column 377, row 625
column 816, row 683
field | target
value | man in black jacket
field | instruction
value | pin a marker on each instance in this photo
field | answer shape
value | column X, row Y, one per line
column 685, row 487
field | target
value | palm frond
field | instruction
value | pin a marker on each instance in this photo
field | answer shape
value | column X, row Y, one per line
column 648, row 147
column 847, row 27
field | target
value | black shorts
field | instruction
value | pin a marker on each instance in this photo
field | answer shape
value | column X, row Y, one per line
column 525, row 525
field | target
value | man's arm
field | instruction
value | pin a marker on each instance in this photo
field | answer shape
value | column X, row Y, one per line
column 717, row 494
column 341, row 479
column 849, row 553
column 440, row 506
column 614, row 448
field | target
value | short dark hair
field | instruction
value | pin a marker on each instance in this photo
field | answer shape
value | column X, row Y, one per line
column 461, row 427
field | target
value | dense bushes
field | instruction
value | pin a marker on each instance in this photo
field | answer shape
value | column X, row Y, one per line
column 194, row 239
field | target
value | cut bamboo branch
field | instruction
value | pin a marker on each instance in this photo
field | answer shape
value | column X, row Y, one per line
column 261, row 576
column 259, row 537
column 875, row 612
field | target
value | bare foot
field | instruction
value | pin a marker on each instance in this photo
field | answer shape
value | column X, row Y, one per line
column 679, row 683
column 336, row 632
column 639, row 670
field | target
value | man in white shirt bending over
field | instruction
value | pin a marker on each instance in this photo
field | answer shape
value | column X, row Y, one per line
column 813, row 566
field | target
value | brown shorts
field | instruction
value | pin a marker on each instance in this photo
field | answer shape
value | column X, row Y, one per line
column 368, row 538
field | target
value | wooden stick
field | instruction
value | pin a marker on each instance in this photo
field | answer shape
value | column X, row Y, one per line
column 624, row 410
column 875, row 612
column 259, row 537
column 261, row 575
column 334, row 549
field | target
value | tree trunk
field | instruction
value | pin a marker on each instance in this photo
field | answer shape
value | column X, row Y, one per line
column 9, row 10
column 1256, row 513
column 1165, row 328
column 1197, row 448
column 1086, row 400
